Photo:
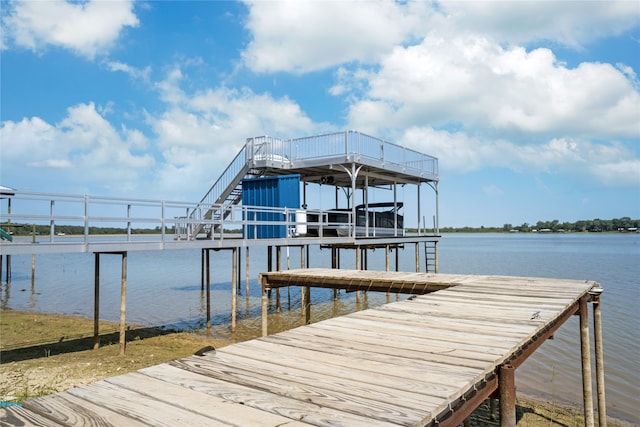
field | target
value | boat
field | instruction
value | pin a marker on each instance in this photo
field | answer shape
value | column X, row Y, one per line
column 384, row 220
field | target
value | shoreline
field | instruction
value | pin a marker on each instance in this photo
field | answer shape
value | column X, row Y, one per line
column 60, row 357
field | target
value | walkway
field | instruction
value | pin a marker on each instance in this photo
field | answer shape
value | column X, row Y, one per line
column 432, row 358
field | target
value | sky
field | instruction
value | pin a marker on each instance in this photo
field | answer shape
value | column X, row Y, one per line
column 532, row 108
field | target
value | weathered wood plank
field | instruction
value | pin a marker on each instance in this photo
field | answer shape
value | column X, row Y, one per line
column 347, row 382
column 68, row 409
column 259, row 399
column 385, row 337
column 139, row 407
column 434, row 360
column 339, row 366
column 420, row 365
column 20, row 416
column 398, row 327
column 425, row 321
column 383, row 411
column 215, row 408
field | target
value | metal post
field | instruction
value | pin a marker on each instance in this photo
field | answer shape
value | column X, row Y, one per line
column 123, row 305
column 86, row 219
column 395, row 208
column 585, row 351
column 419, row 229
column 96, row 303
column 507, row 390
column 366, row 205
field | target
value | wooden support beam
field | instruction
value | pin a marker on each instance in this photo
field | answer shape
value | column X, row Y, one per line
column 599, row 349
column 585, row 351
column 123, row 305
column 96, row 302
column 234, row 288
column 247, row 275
column 507, row 390
column 208, row 290
column 265, row 306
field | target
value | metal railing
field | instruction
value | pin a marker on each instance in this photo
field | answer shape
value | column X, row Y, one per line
column 90, row 216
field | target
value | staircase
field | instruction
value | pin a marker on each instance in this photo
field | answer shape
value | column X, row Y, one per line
column 227, row 190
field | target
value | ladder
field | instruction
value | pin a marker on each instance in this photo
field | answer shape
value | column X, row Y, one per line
column 431, row 256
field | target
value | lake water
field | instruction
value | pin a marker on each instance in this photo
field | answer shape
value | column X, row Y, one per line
column 163, row 288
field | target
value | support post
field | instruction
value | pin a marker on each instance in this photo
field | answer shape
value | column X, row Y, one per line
column 202, row 269
column 123, row 305
column 265, row 306
column 507, row 391
column 585, row 351
column 278, row 268
column 234, row 288
column 246, row 268
column 417, row 257
column 599, row 349
column 208, row 292
column 303, row 289
column 96, row 302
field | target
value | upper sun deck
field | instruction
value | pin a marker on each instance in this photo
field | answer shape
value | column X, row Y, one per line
column 321, row 159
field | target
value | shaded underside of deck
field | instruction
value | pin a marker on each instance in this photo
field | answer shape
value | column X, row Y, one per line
column 411, row 362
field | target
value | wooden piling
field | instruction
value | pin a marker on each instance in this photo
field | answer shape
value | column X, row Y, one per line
column 96, row 302
column 507, row 391
column 585, row 351
column 234, row 288
column 265, row 304
column 417, row 258
column 247, row 275
column 278, row 262
column 599, row 349
column 123, row 305
column 208, row 291
column 202, row 271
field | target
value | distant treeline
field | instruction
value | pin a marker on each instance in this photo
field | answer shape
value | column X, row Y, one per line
column 593, row 225
column 28, row 229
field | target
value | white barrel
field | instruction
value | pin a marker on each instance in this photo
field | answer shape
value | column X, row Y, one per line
column 301, row 222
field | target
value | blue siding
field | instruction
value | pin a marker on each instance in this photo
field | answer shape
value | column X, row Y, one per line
column 271, row 191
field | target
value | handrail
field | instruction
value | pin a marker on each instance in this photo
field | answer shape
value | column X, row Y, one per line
column 87, row 212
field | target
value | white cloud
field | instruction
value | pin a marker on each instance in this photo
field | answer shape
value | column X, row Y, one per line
column 86, row 28
column 200, row 133
column 83, row 148
column 572, row 23
column 474, row 81
column 133, row 72
column 607, row 164
column 303, row 36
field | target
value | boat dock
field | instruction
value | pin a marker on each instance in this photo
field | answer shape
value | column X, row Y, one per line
column 429, row 360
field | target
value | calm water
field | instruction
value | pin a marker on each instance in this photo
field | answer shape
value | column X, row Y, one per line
column 164, row 289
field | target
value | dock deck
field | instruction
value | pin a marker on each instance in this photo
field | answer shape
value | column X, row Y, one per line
column 430, row 359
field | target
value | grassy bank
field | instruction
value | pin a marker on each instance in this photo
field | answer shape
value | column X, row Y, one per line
column 43, row 354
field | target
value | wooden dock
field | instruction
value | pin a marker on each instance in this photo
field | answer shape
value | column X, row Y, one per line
column 430, row 359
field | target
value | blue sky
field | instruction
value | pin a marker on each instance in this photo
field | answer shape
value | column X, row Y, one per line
column 532, row 108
